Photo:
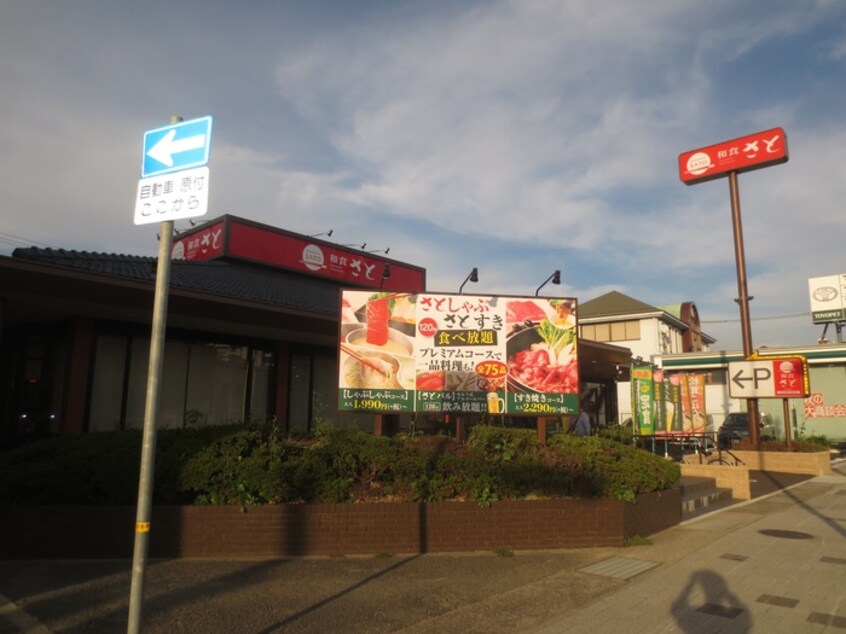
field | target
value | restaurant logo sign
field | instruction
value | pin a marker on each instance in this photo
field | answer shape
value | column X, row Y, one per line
column 744, row 154
column 313, row 258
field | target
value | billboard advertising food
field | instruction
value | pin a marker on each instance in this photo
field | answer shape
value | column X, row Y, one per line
column 440, row 353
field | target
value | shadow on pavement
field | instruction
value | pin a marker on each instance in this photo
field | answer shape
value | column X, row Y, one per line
column 719, row 601
column 316, row 606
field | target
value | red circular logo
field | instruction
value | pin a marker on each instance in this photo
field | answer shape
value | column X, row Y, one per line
column 427, row 327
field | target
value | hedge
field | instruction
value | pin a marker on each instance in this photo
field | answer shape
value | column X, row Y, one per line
column 253, row 465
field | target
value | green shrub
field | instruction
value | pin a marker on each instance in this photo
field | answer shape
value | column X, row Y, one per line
column 253, row 464
column 620, row 433
column 611, row 469
column 86, row 469
column 503, row 444
column 245, row 466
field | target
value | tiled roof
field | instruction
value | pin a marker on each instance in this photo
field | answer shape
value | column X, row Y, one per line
column 242, row 281
column 614, row 303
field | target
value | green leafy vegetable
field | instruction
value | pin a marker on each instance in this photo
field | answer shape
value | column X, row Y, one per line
column 554, row 337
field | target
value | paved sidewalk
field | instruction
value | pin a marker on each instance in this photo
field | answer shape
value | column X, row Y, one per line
column 775, row 564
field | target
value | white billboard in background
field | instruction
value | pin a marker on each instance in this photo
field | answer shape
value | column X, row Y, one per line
column 828, row 298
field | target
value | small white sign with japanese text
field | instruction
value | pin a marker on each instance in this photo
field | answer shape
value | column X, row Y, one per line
column 173, row 196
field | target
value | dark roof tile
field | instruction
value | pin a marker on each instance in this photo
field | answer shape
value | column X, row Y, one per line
column 219, row 277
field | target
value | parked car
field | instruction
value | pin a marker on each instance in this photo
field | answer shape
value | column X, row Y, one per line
column 736, row 426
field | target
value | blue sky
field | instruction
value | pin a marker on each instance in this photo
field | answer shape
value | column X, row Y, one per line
column 517, row 137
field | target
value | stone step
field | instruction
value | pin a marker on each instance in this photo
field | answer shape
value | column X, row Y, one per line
column 705, row 500
column 692, row 484
column 700, row 495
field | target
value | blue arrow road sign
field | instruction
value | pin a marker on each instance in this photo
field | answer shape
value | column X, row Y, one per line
column 176, row 147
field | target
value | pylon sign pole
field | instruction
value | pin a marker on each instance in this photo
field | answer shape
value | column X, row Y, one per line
column 729, row 158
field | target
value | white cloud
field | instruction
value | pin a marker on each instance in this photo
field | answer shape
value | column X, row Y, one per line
column 516, row 136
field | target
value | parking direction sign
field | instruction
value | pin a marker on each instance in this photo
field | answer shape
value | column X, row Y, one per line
column 782, row 377
column 176, row 147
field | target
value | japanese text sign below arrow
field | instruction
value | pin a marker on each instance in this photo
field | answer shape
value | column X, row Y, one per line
column 176, row 147
column 771, row 378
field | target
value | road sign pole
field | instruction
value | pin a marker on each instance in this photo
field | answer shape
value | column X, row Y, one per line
column 743, row 298
column 148, row 451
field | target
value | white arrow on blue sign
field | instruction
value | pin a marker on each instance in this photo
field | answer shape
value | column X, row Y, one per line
column 176, row 147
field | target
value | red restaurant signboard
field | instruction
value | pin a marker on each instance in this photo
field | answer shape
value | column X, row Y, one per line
column 236, row 238
column 744, row 154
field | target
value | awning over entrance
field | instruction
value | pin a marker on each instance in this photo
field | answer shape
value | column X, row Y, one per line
column 603, row 362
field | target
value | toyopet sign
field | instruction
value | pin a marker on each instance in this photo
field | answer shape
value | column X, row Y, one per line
column 435, row 353
column 744, row 154
column 174, row 181
column 771, row 377
column 828, row 298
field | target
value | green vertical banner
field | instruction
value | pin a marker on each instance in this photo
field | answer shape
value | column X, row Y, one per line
column 659, row 411
column 673, row 404
column 643, row 400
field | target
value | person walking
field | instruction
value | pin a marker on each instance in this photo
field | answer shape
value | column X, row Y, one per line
column 581, row 426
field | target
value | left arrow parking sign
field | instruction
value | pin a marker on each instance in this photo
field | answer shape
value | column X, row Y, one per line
column 176, row 147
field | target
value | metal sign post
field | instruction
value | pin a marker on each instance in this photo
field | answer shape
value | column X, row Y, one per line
column 174, row 185
column 729, row 158
column 148, row 451
column 743, row 299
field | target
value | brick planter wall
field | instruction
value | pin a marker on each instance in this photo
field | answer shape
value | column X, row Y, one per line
column 815, row 463
column 731, row 477
column 333, row 529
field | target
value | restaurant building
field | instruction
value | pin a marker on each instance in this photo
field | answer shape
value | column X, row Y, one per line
column 252, row 333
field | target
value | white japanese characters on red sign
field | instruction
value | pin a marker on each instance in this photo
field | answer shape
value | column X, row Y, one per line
column 784, row 377
column 738, row 155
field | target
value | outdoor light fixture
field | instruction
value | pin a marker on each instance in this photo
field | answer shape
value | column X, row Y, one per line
column 472, row 277
column 360, row 246
column 328, row 234
column 555, row 278
column 386, row 273
column 385, row 251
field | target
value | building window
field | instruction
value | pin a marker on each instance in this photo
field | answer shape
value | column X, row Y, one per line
column 314, row 395
column 202, row 383
column 612, row 331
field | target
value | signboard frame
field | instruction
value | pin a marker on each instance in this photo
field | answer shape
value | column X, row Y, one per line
column 175, row 147
column 443, row 353
column 743, row 154
column 827, row 295
column 783, row 376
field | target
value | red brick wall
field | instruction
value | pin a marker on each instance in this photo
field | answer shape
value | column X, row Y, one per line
column 333, row 529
